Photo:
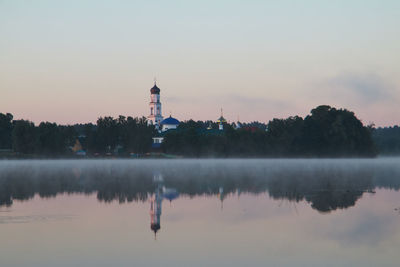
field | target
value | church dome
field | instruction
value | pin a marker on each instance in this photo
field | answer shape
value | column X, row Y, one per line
column 155, row 90
column 221, row 120
column 155, row 227
column 170, row 121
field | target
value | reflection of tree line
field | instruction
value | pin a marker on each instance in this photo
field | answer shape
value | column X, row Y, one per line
column 326, row 189
column 325, row 192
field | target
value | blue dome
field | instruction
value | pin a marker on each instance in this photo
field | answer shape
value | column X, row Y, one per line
column 170, row 121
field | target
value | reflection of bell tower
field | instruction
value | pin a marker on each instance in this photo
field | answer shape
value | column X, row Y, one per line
column 155, row 209
column 221, row 196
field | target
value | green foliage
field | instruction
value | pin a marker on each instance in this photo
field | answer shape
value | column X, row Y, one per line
column 132, row 134
column 327, row 132
column 336, row 132
column 52, row 139
column 6, row 130
column 24, row 136
column 107, row 133
column 193, row 139
column 387, row 140
column 135, row 135
column 284, row 136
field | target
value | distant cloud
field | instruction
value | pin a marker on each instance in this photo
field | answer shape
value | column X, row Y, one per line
column 366, row 88
column 254, row 102
column 235, row 99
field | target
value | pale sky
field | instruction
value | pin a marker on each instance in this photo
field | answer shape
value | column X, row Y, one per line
column 74, row 61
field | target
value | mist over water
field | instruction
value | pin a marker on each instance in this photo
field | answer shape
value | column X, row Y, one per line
column 200, row 212
column 327, row 184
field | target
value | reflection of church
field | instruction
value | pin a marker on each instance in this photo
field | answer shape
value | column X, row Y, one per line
column 221, row 196
column 155, row 210
column 160, row 193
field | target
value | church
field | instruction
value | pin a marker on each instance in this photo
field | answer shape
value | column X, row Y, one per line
column 155, row 118
column 164, row 125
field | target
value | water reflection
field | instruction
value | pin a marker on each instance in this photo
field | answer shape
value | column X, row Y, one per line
column 221, row 196
column 327, row 185
column 231, row 204
column 156, row 199
column 156, row 205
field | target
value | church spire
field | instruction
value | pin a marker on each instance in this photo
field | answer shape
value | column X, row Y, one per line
column 155, row 116
column 221, row 121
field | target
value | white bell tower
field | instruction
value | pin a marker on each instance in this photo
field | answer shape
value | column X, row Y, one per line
column 155, row 116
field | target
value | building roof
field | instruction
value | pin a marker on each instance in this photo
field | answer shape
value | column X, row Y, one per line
column 221, row 120
column 155, row 227
column 155, row 90
column 170, row 121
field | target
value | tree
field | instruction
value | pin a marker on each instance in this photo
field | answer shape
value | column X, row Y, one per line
column 141, row 139
column 50, row 139
column 24, row 137
column 69, row 135
column 135, row 135
column 387, row 140
column 107, row 133
column 6, row 130
column 335, row 132
column 284, row 136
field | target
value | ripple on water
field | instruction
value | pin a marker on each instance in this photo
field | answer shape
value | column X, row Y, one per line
column 11, row 219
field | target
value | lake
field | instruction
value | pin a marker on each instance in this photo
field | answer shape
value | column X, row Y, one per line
column 211, row 212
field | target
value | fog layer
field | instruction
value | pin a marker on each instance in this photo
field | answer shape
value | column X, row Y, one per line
column 327, row 184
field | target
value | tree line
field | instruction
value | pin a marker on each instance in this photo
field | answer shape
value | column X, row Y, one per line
column 51, row 139
column 387, row 139
column 325, row 132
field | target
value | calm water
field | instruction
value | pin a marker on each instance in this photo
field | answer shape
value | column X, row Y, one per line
column 200, row 213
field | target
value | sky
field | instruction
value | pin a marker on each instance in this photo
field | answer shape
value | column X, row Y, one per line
column 74, row 61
